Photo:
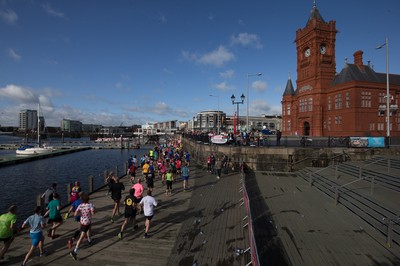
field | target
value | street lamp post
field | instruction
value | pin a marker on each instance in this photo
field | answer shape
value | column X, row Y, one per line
column 237, row 104
column 247, row 102
column 218, row 116
column 387, row 89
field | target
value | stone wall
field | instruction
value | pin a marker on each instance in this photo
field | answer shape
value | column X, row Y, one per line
column 286, row 159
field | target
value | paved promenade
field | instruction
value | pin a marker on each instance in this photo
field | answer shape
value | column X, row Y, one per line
column 310, row 227
column 203, row 225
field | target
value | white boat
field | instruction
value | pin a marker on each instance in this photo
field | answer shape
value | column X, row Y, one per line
column 35, row 150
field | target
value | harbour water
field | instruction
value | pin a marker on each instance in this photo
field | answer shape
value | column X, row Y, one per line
column 22, row 183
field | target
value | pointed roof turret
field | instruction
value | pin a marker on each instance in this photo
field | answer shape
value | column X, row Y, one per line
column 315, row 14
column 289, row 88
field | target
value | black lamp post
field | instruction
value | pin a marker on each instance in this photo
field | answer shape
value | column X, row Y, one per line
column 237, row 104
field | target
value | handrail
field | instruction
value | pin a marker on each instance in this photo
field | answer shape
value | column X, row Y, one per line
column 255, row 260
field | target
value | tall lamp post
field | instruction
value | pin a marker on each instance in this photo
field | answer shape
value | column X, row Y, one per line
column 247, row 102
column 387, row 89
column 218, row 116
column 237, row 104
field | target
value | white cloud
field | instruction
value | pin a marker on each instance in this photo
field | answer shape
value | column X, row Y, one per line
column 9, row 16
column 14, row 55
column 218, row 57
column 49, row 10
column 246, row 39
column 259, row 86
column 223, row 86
column 259, row 107
column 18, row 94
column 228, row 74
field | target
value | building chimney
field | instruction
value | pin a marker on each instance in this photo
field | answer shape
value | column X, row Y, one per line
column 358, row 58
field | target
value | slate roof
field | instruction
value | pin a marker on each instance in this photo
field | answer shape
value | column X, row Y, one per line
column 315, row 14
column 289, row 88
column 352, row 72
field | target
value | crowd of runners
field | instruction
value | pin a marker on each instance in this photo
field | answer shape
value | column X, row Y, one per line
column 167, row 163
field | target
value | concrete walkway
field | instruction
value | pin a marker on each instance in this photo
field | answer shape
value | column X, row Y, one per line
column 312, row 229
column 203, row 225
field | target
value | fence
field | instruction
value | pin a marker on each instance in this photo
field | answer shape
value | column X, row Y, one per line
column 255, row 261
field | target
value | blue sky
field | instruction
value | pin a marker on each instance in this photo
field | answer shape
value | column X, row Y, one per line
column 131, row 62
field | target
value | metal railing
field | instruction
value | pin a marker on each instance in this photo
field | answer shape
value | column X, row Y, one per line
column 255, row 260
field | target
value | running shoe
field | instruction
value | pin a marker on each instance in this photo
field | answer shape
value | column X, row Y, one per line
column 43, row 254
column 120, row 235
column 91, row 242
column 73, row 255
column 146, row 235
column 112, row 220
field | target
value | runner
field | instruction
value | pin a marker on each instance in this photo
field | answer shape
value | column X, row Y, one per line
column 55, row 219
column 150, row 177
column 37, row 223
column 145, row 169
column 73, row 208
column 138, row 187
column 170, row 178
column 75, row 191
column 48, row 195
column 132, row 172
column 7, row 227
column 116, row 194
column 130, row 212
column 148, row 203
column 163, row 170
column 86, row 210
column 185, row 177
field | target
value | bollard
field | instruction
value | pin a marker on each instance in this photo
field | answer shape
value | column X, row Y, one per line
column 372, row 185
column 116, row 171
column 126, row 168
column 69, row 188
column 91, row 184
column 105, row 176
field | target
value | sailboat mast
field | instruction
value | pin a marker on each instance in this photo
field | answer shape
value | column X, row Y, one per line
column 38, row 125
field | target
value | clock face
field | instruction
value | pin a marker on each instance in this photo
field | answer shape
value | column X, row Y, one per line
column 307, row 52
column 322, row 49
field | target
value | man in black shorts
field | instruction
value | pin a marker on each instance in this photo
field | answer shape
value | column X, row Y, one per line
column 130, row 212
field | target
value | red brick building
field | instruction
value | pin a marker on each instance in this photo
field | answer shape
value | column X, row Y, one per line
column 326, row 103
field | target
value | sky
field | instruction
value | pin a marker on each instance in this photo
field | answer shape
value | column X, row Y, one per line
column 137, row 61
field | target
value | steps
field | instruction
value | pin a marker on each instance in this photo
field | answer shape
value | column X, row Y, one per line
column 372, row 194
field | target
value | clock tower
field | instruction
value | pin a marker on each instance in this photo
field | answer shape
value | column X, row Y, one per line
column 315, row 45
column 316, row 68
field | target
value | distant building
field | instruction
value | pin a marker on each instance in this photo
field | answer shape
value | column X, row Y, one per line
column 206, row 121
column 166, row 126
column 326, row 103
column 256, row 123
column 71, row 125
column 28, row 120
column 91, row 128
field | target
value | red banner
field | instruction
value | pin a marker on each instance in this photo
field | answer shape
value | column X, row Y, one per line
column 234, row 123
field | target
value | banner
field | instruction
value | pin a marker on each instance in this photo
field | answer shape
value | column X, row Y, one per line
column 367, row 142
column 234, row 123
